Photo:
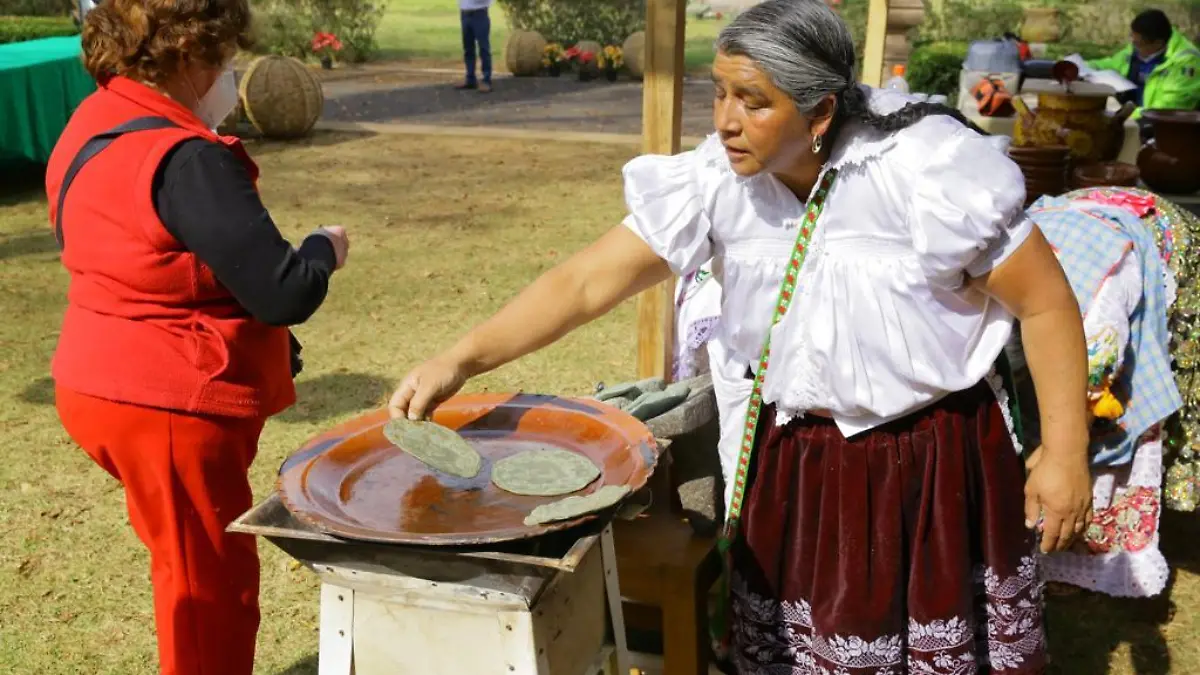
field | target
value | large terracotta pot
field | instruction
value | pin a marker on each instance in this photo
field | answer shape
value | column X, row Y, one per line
column 1041, row 25
column 1079, row 122
column 1170, row 162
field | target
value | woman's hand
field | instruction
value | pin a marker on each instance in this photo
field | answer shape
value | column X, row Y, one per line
column 1059, row 492
column 1033, row 286
column 426, row 386
column 337, row 236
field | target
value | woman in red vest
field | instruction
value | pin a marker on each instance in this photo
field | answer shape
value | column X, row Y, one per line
column 174, row 347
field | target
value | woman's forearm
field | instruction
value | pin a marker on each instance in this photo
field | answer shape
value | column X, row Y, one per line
column 583, row 288
column 1056, row 353
column 1032, row 285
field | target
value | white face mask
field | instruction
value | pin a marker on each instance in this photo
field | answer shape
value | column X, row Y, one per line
column 221, row 99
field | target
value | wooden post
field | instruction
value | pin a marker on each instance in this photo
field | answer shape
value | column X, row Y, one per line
column 662, row 121
column 877, row 19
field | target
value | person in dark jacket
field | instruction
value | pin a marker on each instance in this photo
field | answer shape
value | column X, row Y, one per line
column 175, row 347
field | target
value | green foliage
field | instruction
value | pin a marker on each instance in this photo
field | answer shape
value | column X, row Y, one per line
column 966, row 20
column 1107, row 23
column 854, row 13
column 354, row 22
column 570, row 21
column 23, row 28
column 934, row 68
column 1088, row 26
column 1087, row 50
column 280, row 29
column 286, row 27
column 36, row 7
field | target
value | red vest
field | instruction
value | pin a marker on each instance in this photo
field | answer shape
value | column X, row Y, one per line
column 146, row 321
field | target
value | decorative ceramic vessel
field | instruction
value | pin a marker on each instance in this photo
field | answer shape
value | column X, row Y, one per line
column 1105, row 174
column 1170, row 162
column 523, row 53
column 1041, row 25
column 1082, row 123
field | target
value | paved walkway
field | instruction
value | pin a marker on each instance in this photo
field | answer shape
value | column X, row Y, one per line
column 427, row 97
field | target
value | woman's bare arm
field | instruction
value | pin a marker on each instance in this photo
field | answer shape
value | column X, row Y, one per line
column 1032, row 285
column 584, row 287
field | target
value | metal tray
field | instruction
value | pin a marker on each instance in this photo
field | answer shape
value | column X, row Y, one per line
column 352, row 482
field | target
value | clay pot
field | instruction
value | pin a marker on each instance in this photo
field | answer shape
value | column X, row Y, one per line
column 1080, row 122
column 1041, row 25
column 1170, row 162
column 1105, row 174
column 1043, row 156
column 1045, row 173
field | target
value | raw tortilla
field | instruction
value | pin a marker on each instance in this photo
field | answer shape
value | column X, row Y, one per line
column 544, row 473
column 573, row 507
column 435, row 445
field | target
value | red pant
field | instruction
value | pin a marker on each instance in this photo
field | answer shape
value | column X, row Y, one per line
column 185, row 481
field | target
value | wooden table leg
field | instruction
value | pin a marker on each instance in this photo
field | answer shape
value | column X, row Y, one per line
column 681, row 635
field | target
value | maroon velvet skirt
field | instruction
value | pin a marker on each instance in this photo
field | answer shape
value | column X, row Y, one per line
column 900, row 551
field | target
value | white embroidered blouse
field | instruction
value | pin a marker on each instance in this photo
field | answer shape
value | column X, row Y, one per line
column 882, row 323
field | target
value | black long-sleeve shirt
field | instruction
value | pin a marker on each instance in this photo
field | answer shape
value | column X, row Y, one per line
column 207, row 201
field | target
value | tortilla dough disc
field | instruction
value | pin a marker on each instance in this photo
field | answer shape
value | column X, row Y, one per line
column 551, row 472
column 437, row 446
column 573, row 507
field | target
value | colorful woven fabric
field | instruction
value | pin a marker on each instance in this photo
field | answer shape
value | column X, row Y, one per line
column 1177, row 233
column 1090, row 238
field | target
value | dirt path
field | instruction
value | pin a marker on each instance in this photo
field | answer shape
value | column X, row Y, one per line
column 426, row 96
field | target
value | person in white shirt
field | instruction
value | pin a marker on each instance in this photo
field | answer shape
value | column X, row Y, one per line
column 873, row 254
column 476, row 32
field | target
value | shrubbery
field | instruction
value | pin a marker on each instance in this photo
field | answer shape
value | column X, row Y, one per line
column 22, row 28
column 36, row 7
column 569, row 21
column 287, row 27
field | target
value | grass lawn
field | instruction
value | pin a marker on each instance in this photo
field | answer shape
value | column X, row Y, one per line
column 428, row 30
column 444, row 230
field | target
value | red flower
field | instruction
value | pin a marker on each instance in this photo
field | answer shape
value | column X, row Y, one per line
column 587, row 57
column 323, row 41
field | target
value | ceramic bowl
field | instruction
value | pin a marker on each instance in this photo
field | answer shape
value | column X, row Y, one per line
column 1106, row 174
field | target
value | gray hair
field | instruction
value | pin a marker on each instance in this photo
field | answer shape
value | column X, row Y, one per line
column 802, row 45
column 808, row 52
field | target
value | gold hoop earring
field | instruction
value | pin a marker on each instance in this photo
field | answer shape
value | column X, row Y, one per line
column 817, row 144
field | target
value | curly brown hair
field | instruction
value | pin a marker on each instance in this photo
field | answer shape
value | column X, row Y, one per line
column 150, row 40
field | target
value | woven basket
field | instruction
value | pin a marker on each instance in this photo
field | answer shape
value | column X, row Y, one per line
column 590, row 46
column 634, row 51
column 523, row 53
column 282, row 99
column 229, row 126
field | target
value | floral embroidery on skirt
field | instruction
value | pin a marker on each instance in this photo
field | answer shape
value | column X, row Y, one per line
column 901, row 551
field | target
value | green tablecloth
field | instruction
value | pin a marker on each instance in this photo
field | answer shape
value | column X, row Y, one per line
column 41, row 83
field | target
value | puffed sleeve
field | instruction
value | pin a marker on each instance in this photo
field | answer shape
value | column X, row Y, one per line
column 667, row 205
column 967, row 211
